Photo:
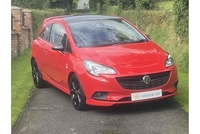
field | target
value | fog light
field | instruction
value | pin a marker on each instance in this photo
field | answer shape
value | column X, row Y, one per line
column 99, row 95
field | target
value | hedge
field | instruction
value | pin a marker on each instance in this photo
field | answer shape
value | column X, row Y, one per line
column 39, row 15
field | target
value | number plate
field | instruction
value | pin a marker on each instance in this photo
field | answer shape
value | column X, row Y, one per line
column 146, row 95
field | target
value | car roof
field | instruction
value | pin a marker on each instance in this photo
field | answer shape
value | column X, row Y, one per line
column 83, row 17
column 77, row 18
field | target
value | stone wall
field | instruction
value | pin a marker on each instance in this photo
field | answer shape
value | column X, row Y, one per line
column 21, row 30
column 14, row 44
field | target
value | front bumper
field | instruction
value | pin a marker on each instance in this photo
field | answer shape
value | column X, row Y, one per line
column 116, row 94
column 126, row 99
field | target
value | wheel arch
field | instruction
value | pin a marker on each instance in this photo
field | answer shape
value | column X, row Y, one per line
column 69, row 77
column 32, row 58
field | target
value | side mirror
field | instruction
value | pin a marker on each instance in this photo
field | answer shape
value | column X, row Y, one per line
column 58, row 46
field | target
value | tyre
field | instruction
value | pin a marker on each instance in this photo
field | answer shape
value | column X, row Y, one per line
column 37, row 76
column 76, row 94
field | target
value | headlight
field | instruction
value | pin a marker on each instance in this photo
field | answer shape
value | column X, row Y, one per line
column 169, row 61
column 96, row 69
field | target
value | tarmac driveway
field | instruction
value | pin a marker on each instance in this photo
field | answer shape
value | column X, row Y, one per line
column 50, row 112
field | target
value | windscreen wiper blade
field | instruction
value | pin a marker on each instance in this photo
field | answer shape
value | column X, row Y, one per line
column 141, row 40
column 102, row 45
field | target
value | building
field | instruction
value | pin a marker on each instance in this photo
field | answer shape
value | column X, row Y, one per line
column 83, row 4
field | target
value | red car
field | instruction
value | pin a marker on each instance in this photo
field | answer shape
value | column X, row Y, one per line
column 101, row 61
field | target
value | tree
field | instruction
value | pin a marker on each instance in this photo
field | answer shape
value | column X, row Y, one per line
column 126, row 4
column 64, row 4
column 31, row 4
column 93, row 4
column 101, row 2
column 146, row 4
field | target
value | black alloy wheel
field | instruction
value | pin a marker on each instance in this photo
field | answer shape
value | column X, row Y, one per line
column 36, row 75
column 76, row 94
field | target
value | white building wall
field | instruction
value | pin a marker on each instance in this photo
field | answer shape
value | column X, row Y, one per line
column 81, row 4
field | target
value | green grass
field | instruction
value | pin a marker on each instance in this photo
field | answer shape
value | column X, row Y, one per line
column 166, row 39
column 183, row 91
column 164, row 35
column 21, row 84
column 166, row 5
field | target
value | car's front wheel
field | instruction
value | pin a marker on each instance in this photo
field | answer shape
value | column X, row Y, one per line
column 76, row 94
column 36, row 75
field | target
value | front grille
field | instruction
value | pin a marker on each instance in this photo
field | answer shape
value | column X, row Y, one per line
column 135, row 82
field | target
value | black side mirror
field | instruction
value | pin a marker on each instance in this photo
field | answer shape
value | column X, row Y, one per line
column 58, row 46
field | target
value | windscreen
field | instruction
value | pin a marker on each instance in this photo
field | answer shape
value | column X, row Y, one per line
column 97, row 33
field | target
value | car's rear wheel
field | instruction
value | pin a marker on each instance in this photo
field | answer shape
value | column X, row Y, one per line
column 37, row 76
column 76, row 94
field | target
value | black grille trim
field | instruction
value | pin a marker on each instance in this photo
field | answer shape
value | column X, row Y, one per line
column 135, row 82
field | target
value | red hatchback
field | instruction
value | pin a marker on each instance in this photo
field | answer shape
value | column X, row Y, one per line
column 101, row 60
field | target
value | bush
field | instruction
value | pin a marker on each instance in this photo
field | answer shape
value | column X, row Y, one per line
column 126, row 4
column 112, row 2
column 31, row 4
column 159, row 25
column 184, row 62
column 40, row 15
column 93, row 4
column 181, row 18
column 146, row 4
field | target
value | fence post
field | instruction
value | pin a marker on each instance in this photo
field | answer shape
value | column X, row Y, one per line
column 21, row 30
column 28, row 23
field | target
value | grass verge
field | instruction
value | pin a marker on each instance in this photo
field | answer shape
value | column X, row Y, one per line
column 183, row 91
column 166, row 5
column 21, row 84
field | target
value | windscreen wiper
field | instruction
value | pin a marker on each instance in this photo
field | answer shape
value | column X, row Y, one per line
column 141, row 40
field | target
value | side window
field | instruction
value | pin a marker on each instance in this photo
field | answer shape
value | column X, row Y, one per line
column 45, row 33
column 58, row 35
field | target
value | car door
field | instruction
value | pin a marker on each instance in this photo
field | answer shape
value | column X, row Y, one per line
column 46, row 46
column 60, row 58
